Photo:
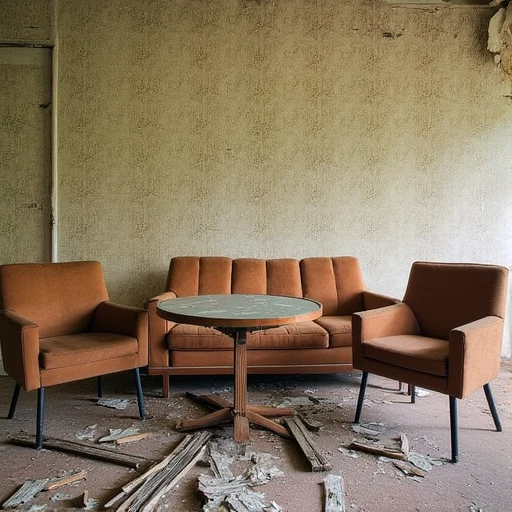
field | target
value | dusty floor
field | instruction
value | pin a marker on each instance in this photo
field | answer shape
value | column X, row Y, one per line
column 482, row 480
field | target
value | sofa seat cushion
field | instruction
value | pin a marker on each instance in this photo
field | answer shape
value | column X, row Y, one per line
column 339, row 329
column 84, row 348
column 416, row 353
column 299, row 335
column 197, row 337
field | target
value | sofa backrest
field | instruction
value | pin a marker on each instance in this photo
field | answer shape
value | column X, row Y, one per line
column 59, row 297
column 336, row 282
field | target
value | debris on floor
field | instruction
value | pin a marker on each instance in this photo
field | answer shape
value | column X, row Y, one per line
column 118, row 433
column 57, row 482
column 31, row 488
column 226, row 492
column 334, row 490
column 25, row 493
column 145, row 491
column 87, row 434
column 317, row 460
column 86, row 450
column 113, row 403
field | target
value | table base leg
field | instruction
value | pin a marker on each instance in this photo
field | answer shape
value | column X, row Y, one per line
column 257, row 414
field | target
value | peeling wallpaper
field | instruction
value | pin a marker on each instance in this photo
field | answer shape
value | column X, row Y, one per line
column 283, row 128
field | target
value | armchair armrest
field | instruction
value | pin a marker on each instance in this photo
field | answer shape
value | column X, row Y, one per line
column 127, row 320
column 474, row 355
column 372, row 300
column 20, row 349
column 158, row 329
column 377, row 323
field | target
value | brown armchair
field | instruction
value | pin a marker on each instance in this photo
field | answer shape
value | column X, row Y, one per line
column 57, row 325
column 445, row 336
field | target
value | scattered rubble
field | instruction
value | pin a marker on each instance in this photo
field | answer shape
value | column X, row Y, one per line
column 334, row 494
column 113, row 403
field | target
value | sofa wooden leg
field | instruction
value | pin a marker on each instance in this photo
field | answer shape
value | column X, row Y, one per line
column 100, row 386
column 165, row 386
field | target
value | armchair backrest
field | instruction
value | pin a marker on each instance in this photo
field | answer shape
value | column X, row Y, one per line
column 448, row 295
column 59, row 297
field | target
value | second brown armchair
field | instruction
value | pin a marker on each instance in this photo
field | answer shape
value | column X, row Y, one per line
column 445, row 336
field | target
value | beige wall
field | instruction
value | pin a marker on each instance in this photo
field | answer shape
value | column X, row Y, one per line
column 283, row 128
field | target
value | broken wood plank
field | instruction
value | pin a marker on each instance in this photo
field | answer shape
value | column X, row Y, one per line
column 317, row 461
column 312, row 424
column 409, row 469
column 132, row 438
column 163, row 490
column 161, row 481
column 211, row 401
column 59, row 482
column 93, row 452
column 404, row 445
column 334, row 494
column 25, row 493
column 392, row 453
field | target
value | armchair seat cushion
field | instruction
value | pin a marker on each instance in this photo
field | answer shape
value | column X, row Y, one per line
column 416, row 353
column 339, row 329
column 83, row 348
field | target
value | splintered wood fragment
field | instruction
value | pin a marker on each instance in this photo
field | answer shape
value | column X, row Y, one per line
column 404, row 445
column 93, row 452
column 84, row 499
column 377, row 450
column 211, row 401
column 334, row 494
column 25, row 493
column 409, row 469
column 311, row 424
column 59, row 482
column 132, row 438
column 158, row 482
column 317, row 461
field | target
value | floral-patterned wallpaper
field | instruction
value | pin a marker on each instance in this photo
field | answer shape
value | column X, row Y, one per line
column 279, row 128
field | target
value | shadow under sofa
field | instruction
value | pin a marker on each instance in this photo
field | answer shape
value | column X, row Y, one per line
column 320, row 346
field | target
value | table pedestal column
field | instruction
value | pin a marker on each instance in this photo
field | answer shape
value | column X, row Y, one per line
column 241, row 423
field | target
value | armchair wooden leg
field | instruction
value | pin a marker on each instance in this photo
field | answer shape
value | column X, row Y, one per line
column 100, row 386
column 140, row 397
column 360, row 400
column 454, row 429
column 492, row 407
column 40, row 418
column 14, row 401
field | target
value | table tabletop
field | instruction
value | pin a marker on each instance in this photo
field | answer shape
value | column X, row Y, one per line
column 239, row 310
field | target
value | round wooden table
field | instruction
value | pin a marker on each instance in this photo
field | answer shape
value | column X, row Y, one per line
column 238, row 315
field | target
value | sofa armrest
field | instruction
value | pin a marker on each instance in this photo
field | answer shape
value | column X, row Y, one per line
column 372, row 300
column 377, row 323
column 158, row 329
column 127, row 320
column 20, row 349
column 474, row 355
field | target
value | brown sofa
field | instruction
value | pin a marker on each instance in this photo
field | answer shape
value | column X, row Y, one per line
column 320, row 346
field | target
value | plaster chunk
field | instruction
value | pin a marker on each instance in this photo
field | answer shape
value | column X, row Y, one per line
column 494, row 31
